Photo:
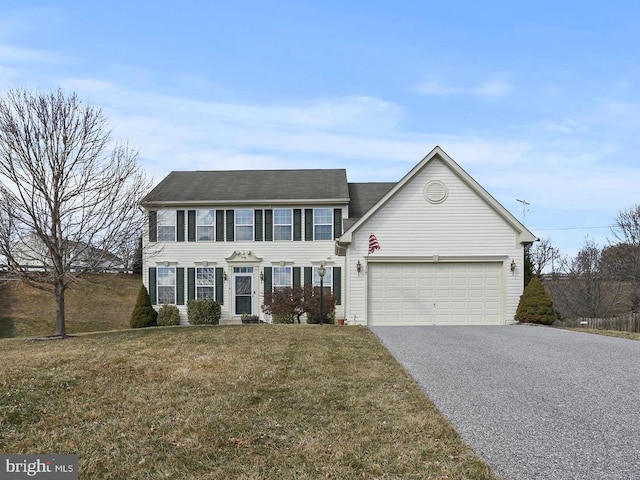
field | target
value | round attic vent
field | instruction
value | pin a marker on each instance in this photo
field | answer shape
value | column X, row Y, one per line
column 435, row 191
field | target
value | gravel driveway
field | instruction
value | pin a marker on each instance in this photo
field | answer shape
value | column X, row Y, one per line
column 534, row 402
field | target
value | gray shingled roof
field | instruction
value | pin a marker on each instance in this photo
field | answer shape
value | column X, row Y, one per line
column 247, row 185
column 366, row 195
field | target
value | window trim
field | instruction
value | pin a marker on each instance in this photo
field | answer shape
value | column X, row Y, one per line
column 274, row 276
column 290, row 225
column 163, row 215
column 211, row 286
column 244, row 225
column 160, row 276
column 329, row 224
column 212, row 225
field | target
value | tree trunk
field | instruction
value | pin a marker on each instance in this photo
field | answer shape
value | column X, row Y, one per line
column 61, row 329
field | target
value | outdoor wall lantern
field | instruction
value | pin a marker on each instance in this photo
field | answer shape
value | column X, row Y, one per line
column 224, row 276
column 358, row 267
column 513, row 265
column 262, row 276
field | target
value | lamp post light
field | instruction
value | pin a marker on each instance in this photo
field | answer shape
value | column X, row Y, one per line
column 321, row 271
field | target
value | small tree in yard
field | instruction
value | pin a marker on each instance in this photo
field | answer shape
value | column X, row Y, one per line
column 68, row 197
column 535, row 305
column 143, row 314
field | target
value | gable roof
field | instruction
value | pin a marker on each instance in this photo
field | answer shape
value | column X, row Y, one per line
column 245, row 186
column 524, row 235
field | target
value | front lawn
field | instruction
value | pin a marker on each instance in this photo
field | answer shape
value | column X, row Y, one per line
column 252, row 402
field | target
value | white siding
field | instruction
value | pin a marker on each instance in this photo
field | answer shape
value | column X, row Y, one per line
column 462, row 228
column 291, row 253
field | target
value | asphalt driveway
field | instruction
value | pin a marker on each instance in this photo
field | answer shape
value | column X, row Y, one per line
column 534, row 402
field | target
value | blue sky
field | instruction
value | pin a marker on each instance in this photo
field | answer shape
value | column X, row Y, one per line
column 538, row 102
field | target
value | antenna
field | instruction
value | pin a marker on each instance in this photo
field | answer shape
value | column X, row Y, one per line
column 524, row 207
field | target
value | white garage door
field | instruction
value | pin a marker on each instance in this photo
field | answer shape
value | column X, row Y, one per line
column 434, row 293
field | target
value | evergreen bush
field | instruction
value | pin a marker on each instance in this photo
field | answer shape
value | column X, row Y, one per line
column 143, row 314
column 168, row 315
column 535, row 305
column 203, row 312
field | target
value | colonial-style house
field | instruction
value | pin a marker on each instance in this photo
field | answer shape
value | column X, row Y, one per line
column 433, row 248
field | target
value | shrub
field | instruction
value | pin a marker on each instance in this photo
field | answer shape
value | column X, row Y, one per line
column 143, row 314
column 535, row 305
column 168, row 315
column 312, row 307
column 203, row 312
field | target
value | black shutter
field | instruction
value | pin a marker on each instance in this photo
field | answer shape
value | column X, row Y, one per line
column 180, row 226
column 268, row 225
column 153, row 226
column 296, row 276
column 191, row 226
column 191, row 283
column 219, row 225
column 308, row 276
column 308, row 224
column 337, row 222
column 297, row 224
column 230, row 225
column 153, row 283
column 257, row 225
column 337, row 284
column 220, row 285
column 180, row 286
column 268, row 280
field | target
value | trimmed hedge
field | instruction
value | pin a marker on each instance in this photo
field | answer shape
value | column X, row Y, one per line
column 168, row 315
column 203, row 312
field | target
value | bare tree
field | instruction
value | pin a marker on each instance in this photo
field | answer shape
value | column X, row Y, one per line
column 67, row 197
column 583, row 289
column 626, row 261
column 542, row 255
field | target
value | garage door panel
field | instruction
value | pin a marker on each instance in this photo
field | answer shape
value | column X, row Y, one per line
column 440, row 294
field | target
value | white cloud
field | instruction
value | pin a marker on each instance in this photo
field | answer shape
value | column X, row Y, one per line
column 487, row 89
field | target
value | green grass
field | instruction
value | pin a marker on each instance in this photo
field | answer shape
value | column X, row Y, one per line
column 252, row 402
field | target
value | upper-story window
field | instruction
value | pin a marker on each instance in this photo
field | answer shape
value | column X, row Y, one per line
column 166, row 285
column 166, row 225
column 205, row 283
column 323, row 224
column 205, row 225
column 282, row 277
column 282, row 224
column 244, row 224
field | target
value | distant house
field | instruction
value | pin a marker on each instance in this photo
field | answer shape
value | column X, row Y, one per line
column 31, row 254
column 433, row 248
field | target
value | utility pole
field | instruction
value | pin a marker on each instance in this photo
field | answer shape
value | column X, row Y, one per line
column 524, row 207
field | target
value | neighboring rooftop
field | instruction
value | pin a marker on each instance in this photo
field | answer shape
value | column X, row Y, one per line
column 247, row 185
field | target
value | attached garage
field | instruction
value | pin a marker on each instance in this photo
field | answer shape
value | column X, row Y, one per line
column 434, row 293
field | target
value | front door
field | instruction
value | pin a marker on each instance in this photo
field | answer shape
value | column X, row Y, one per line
column 243, row 290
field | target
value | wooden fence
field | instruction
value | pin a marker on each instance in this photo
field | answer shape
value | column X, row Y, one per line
column 622, row 323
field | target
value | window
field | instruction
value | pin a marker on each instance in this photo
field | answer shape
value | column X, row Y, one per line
column 327, row 281
column 244, row 225
column 205, row 283
column 166, row 225
column 282, row 277
column 323, row 224
column 282, row 224
column 166, row 286
column 205, row 225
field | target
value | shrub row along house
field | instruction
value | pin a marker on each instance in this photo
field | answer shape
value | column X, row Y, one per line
column 433, row 248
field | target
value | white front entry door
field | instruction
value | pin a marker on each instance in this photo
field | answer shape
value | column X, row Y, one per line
column 243, row 293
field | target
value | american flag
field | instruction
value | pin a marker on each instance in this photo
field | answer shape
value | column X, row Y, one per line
column 373, row 243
